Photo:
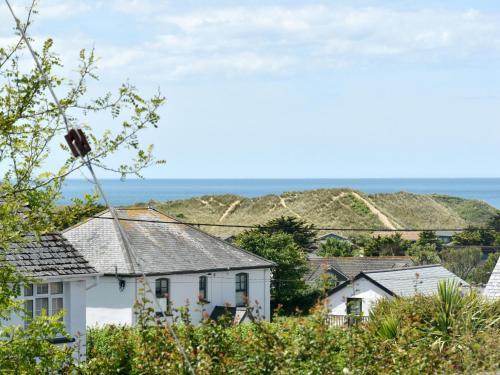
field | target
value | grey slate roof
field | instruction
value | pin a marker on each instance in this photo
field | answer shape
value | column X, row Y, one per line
column 164, row 248
column 493, row 287
column 50, row 255
column 413, row 280
column 350, row 267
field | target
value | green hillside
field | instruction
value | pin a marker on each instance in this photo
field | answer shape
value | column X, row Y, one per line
column 342, row 208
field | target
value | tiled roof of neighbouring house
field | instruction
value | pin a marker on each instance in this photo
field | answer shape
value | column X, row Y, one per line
column 48, row 255
column 414, row 280
column 163, row 248
column 352, row 266
column 493, row 287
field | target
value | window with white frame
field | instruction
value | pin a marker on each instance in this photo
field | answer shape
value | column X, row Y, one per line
column 203, row 288
column 241, row 289
column 46, row 297
column 162, row 292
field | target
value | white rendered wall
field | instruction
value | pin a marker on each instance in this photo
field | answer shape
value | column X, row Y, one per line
column 107, row 305
column 361, row 288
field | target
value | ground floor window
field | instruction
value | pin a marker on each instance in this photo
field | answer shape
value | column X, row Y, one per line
column 354, row 306
column 203, row 290
column 162, row 291
column 43, row 298
column 241, row 289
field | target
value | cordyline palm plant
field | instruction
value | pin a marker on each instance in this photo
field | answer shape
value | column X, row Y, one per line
column 459, row 315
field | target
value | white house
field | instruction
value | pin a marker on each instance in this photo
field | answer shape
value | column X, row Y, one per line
column 63, row 277
column 492, row 289
column 359, row 295
column 183, row 265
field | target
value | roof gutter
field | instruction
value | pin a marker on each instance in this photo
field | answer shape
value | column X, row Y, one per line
column 69, row 277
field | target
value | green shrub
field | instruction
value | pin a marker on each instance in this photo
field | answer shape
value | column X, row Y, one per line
column 446, row 334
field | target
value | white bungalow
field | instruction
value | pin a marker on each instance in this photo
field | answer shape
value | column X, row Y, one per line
column 183, row 265
column 360, row 294
column 63, row 277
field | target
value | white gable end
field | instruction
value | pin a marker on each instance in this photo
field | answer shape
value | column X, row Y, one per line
column 493, row 287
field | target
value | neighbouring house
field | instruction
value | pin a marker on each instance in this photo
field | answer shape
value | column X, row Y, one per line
column 446, row 236
column 492, row 289
column 183, row 266
column 314, row 247
column 411, row 236
column 359, row 295
column 63, row 279
column 336, row 236
column 338, row 270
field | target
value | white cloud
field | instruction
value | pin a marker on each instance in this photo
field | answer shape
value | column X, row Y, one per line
column 279, row 40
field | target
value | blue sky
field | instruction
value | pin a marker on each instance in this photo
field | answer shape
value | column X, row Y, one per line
column 278, row 89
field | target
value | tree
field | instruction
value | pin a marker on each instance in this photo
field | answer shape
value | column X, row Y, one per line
column 303, row 234
column 424, row 254
column 334, row 247
column 387, row 246
column 30, row 128
column 428, row 237
column 494, row 223
column 482, row 273
column 291, row 262
column 461, row 261
column 473, row 236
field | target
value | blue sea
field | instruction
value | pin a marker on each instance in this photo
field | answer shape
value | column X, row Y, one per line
column 121, row 193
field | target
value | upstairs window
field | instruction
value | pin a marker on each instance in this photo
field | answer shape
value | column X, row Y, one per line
column 202, row 290
column 46, row 297
column 241, row 289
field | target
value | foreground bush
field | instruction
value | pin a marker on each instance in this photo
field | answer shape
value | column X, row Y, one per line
column 446, row 333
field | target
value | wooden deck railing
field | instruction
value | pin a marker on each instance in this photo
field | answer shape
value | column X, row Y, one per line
column 345, row 320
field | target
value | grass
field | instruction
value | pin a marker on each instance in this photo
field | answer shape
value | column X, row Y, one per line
column 332, row 208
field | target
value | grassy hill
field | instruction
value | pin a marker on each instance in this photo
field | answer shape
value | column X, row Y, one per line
column 343, row 208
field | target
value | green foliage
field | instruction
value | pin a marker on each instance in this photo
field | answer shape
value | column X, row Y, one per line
column 481, row 274
column 26, row 350
column 424, row 254
column 443, row 334
column 303, row 234
column 428, row 237
column 30, row 184
column 291, row 265
column 494, row 222
column 334, row 247
column 393, row 245
column 473, row 236
column 461, row 261
column 80, row 209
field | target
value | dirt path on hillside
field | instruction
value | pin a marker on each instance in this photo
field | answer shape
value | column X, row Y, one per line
column 283, row 203
column 229, row 210
column 384, row 219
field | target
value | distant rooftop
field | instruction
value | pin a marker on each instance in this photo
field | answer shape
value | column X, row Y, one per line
column 350, row 267
column 412, row 280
